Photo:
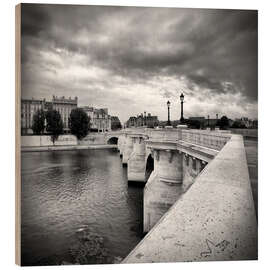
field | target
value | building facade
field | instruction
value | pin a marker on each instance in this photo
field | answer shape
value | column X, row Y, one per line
column 64, row 106
column 151, row 121
column 115, row 123
column 30, row 106
column 245, row 122
column 28, row 109
column 143, row 120
column 100, row 120
column 197, row 121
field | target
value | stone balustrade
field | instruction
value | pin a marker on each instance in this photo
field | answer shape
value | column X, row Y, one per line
column 163, row 134
column 209, row 139
column 133, row 143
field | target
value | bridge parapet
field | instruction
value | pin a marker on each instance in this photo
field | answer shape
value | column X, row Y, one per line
column 163, row 134
column 202, row 145
column 209, row 139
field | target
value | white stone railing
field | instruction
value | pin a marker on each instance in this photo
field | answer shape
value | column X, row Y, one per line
column 210, row 139
column 163, row 134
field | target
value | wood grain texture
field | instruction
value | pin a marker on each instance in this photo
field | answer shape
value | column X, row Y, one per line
column 18, row 134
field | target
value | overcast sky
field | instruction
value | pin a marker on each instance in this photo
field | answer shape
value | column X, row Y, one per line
column 132, row 60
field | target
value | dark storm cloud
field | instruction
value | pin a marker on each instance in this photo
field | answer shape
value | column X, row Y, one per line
column 34, row 20
column 166, row 93
column 125, row 47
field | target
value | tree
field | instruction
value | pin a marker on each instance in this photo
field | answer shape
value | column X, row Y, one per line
column 238, row 124
column 193, row 123
column 38, row 122
column 223, row 123
column 54, row 124
column 116, row 125
column 79, row 123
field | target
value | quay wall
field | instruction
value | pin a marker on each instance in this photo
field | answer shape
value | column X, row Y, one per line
column 214, row 220
column 92, row 139
column 37, row 141
column 67, row 140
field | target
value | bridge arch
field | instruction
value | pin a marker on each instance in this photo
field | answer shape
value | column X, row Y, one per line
column 149, row 167
column 112, row 140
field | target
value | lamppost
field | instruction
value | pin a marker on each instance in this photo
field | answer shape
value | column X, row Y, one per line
column 144, row 118
column 208, row 120
column 182, row 101
column 168, row 122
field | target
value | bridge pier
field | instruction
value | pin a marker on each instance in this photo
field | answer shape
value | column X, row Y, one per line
column 122, row 144
column 174, row 172
column 164, row 185
column 127, row 149
column 136, row 161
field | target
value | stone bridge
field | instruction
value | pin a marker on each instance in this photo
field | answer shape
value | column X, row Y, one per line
column 169, row 160
column 197, row 184
column 112, row 137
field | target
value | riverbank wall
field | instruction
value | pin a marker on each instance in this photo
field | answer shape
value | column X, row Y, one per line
column 67, row 148
column 64, row 142
column 45, row 141
column 68, row 140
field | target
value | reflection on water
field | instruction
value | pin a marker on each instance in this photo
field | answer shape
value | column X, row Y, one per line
column 77, row 208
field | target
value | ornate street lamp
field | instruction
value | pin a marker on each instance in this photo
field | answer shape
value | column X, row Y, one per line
column 182, row 101
column 144, row 118
column 168, row 122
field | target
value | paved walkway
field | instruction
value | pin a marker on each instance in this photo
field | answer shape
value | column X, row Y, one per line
column 251, row 147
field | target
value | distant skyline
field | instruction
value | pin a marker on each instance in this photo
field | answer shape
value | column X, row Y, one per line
column 132, row 60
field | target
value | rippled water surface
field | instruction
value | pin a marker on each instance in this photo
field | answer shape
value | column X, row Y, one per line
column 78, row 208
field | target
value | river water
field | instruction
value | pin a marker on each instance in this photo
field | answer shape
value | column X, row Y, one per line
column 77, row 207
